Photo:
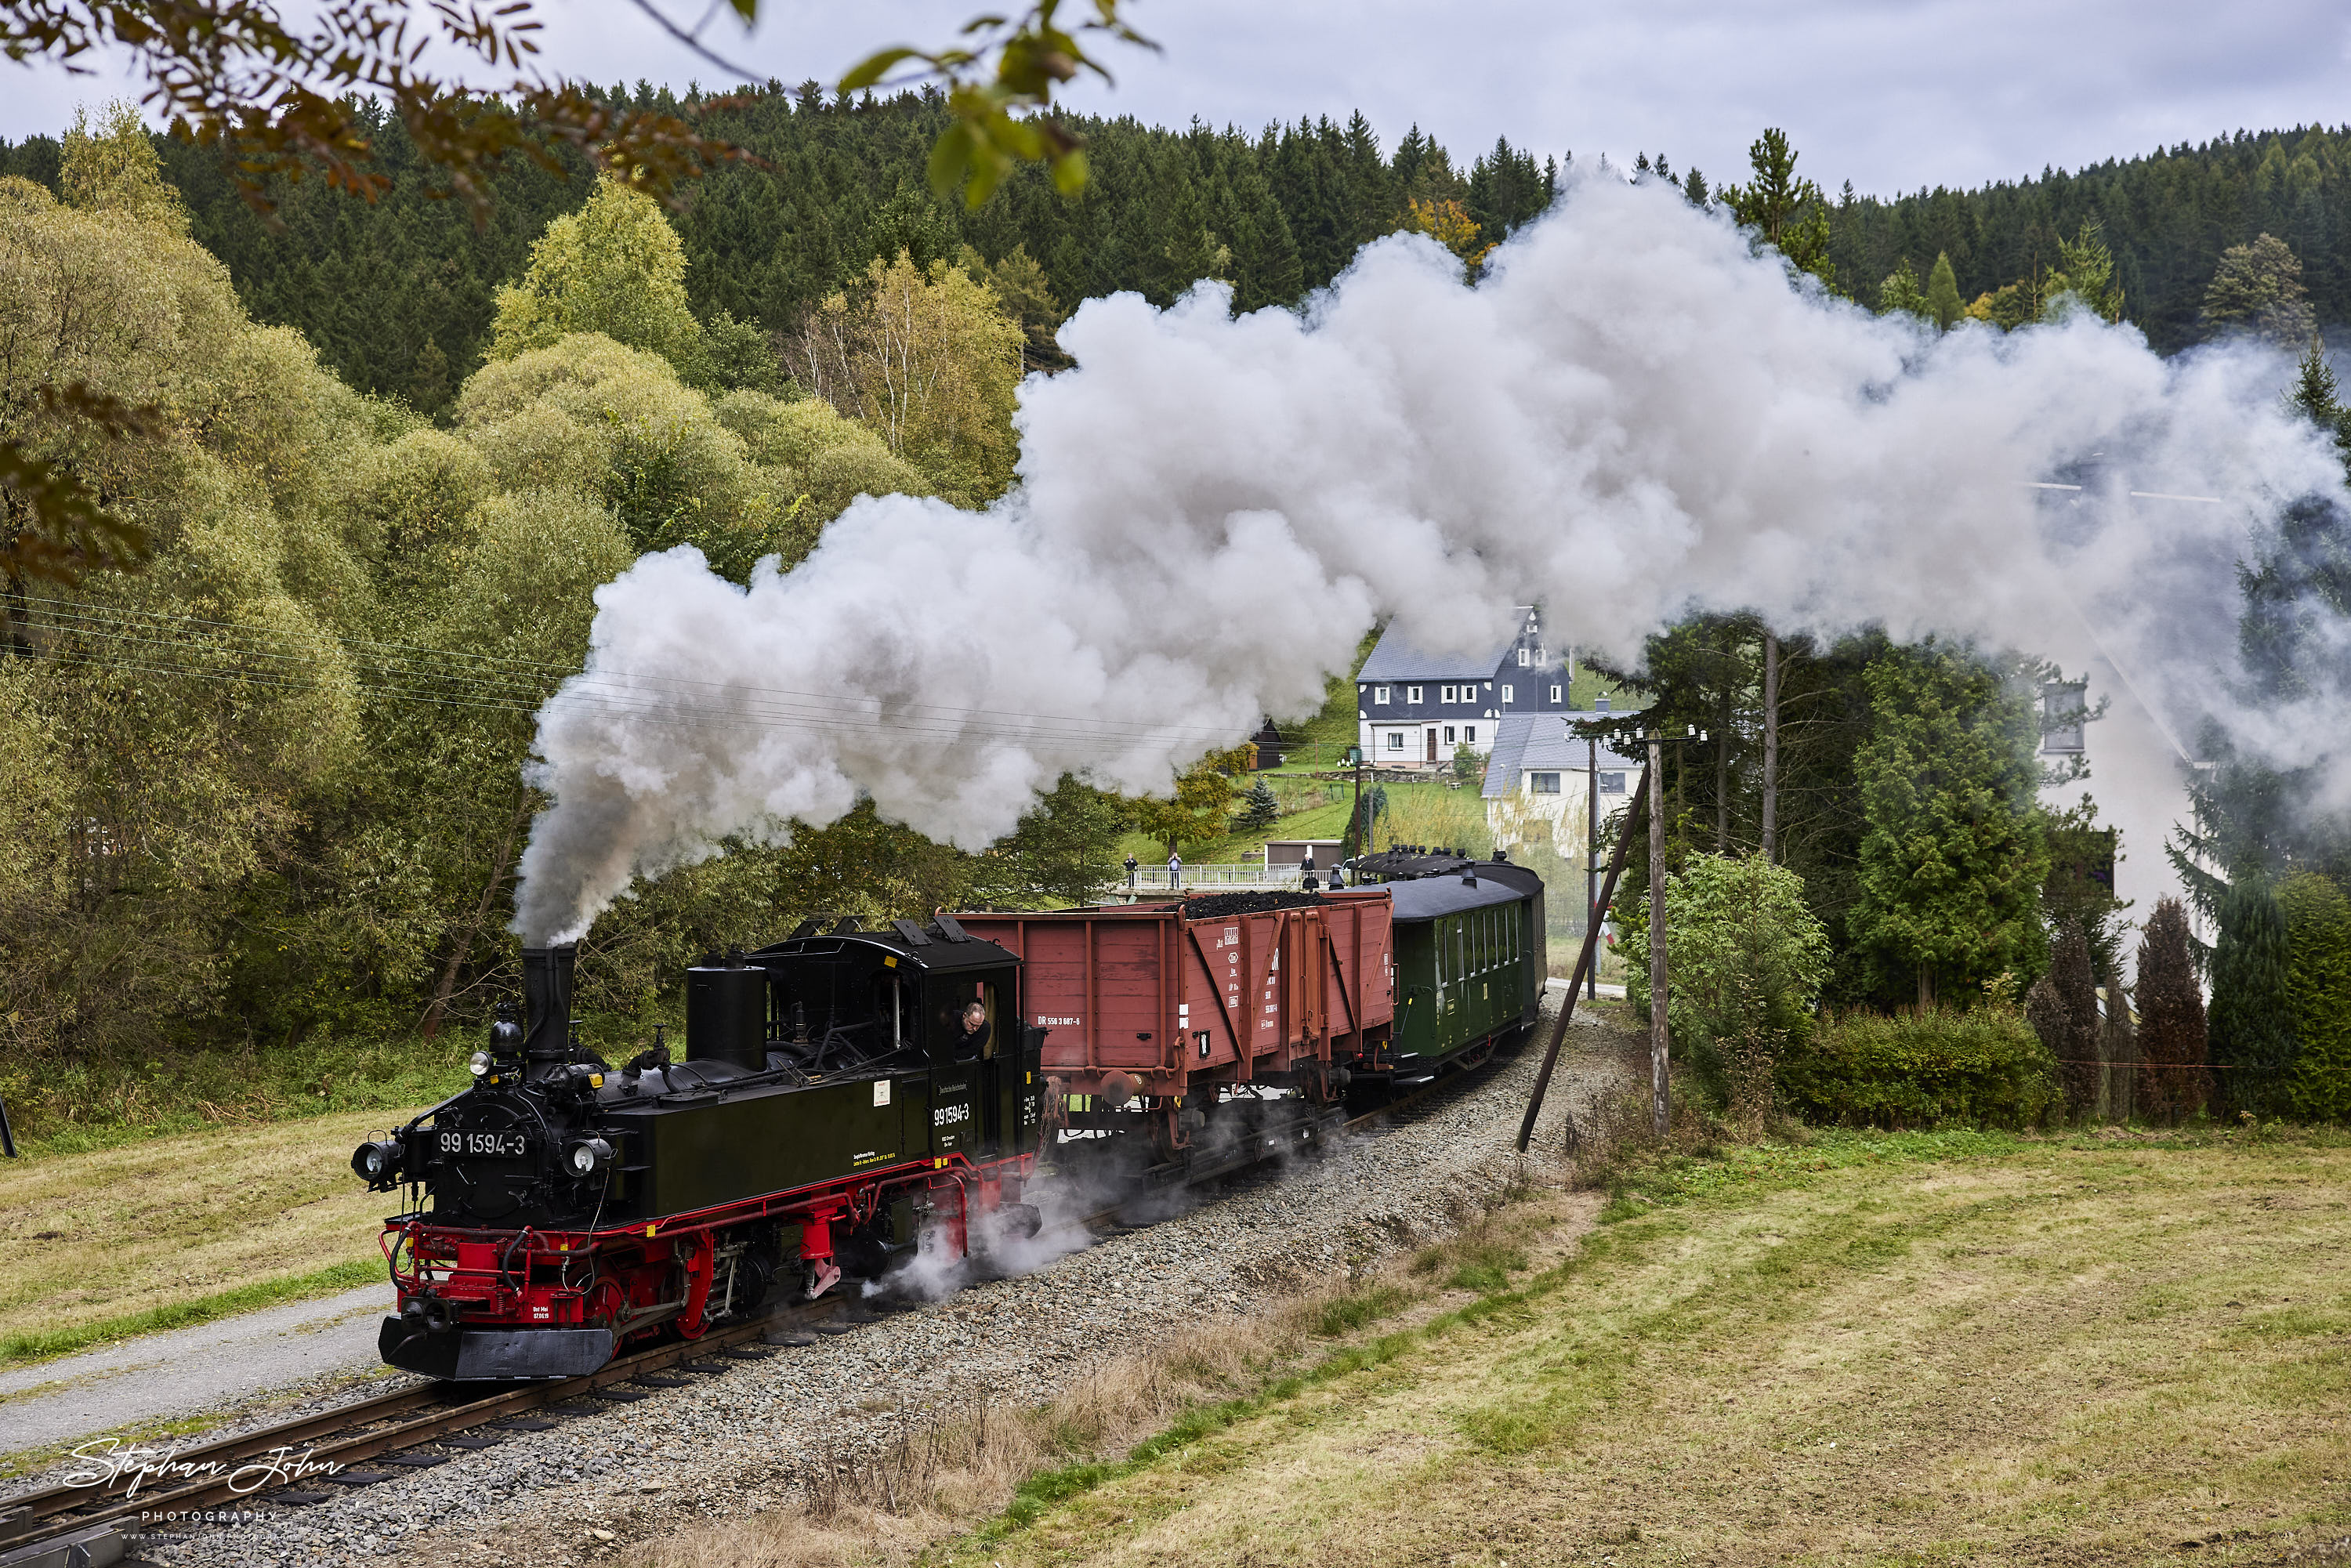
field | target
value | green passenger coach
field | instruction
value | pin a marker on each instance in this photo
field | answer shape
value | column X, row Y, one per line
column 1469, row 957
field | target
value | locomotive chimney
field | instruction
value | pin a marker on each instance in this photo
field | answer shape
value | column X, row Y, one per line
column 547, row 1002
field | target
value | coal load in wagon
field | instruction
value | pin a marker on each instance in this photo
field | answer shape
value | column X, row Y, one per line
column 1219, row 905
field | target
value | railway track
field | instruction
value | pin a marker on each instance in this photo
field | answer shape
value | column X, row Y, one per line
column 309, row 1459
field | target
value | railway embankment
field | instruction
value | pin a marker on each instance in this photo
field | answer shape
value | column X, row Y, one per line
column 767, row 1435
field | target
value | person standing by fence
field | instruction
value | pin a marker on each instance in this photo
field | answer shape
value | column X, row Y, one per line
column 1175, row 868
column 1130, row 873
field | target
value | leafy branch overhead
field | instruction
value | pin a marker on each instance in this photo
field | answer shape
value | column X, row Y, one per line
column 279, row 100
column 54, row 525
column 995, row 126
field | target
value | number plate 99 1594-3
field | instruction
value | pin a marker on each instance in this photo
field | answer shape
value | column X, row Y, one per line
column 485, row 1145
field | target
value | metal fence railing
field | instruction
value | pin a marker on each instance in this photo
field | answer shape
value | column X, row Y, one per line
column 1194, row 878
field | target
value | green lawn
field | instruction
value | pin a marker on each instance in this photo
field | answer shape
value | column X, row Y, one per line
column 1937, row 1349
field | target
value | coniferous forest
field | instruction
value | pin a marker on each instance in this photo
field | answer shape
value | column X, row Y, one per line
column 396, row 296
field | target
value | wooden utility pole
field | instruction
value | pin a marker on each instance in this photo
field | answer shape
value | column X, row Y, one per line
column 1586, row 963
column 1593, row 907
column 1771, row 747
column 1659, row 1106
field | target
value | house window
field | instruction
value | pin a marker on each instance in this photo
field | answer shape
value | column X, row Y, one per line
column 1444, row 694
column 1523, row 658
column 1612, row 783
column 1469, row 734
column 1448, row 735
column 2062, row 712
column 1557, row 692
column 1543, row 783
column 1506, row 694
column 1379, row 693
column 1412, row 693
column 1396, row 740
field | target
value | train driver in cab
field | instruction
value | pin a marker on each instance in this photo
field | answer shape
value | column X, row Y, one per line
column 973, row 1045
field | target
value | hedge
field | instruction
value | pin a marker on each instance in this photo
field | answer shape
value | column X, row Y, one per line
column 1983, row 1067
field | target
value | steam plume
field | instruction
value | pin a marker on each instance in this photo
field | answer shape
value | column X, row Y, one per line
column 1631, row 417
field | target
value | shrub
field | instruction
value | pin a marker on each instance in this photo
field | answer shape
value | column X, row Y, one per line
column 2318, row 991
column 1982, row 1067
column 1747, row 958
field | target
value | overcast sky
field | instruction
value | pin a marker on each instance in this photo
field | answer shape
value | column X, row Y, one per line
column 1892, row 96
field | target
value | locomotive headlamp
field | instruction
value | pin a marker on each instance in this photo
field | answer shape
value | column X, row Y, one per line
column 588, row 1157
column 480, row 1063
column 378, row 1164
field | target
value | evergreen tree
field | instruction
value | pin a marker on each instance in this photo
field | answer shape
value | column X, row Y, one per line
column 1943, row 306
column 1954, row 854
column 2172, row 1083
column 1261, row 809
column 2045, row 1011
column 1786, row 211
column 2314, row 397
column 2318, row 994
column 2085, row 272
column 1900, row 291
column 2250, row 1030
column 2077, row 985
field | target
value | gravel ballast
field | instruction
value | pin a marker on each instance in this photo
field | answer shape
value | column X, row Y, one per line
column 735, row 1443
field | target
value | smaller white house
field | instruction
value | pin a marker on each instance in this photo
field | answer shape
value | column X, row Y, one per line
column 1541, row 783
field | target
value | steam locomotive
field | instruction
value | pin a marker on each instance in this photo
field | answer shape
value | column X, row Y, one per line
column 849, row 1097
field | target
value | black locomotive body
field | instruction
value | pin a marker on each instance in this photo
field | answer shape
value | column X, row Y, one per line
column 832, row 1112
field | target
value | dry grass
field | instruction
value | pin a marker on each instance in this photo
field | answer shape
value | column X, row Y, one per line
column 119, row 1231
column 1937, row 1349
column 887, row 1509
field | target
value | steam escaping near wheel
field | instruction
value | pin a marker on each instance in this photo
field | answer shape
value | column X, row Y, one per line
column 1631, row 417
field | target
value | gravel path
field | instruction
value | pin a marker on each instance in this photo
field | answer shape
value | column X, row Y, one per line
column 730, row 1443
column 159, row 1376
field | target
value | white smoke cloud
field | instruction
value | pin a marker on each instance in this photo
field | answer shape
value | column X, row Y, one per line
column 1630, row 417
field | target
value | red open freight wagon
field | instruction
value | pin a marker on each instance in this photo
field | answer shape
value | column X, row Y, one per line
column 1175, row 1003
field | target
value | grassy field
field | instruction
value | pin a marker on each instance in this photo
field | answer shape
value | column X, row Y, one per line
column 1923, row 1349
column 1918, row 1349
column 181, row 1228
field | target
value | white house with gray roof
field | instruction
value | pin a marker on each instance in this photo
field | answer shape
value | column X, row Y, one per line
column 1538, row 781
column 1416, row 707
